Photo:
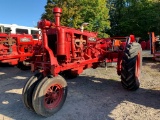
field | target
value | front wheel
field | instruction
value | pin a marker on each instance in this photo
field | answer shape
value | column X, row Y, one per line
column 131, row 66
column 28, row 89
column 49, row 95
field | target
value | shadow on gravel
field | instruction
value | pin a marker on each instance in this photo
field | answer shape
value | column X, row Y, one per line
column 7, row 70
column 12, row 81
column 101, row 96
column 153, row 64
column 89, row 98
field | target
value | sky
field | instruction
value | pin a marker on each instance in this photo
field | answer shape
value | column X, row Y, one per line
column 21, row 12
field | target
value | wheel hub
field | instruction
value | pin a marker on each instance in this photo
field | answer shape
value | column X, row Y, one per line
column 53, row 96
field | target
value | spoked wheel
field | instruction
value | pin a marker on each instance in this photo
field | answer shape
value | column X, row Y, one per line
column 49, row 95
column 28, row 89
column 131, row 66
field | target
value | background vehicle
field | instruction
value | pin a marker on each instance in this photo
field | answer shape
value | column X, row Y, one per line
column 18, row 44
column 155, row 46
column 17, row 29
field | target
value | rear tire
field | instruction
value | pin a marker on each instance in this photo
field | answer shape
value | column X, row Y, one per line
column 131, row 66
column 49, row 95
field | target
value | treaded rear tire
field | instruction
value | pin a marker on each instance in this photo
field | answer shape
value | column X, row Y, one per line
column 131, row 66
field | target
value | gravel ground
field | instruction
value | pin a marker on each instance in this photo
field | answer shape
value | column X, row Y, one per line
column 96, row 94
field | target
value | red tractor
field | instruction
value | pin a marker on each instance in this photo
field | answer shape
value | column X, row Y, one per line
column 17, row 49
column 155, row 46
column 66, row 52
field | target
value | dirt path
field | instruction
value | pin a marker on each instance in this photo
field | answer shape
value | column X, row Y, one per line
column 94, row 95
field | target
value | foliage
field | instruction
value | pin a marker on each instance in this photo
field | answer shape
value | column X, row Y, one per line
column 76, row 12
column 124, row 16
column 134, row 16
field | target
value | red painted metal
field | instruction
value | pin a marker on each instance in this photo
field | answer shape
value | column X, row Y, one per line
column 143, row 45
column 15, row 48
column 148, row 45
column 132, row 38
column 155, row 46
column 138, row 64
column 53, row 96
column 57, row 12
column 65, row 48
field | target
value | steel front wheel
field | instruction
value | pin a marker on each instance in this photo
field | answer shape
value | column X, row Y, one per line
column 28, row 90
column 49, row 95
column 131, row 66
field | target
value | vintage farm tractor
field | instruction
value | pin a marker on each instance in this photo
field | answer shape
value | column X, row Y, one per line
column 17, row 49
column 155, row 46
column 67, row 52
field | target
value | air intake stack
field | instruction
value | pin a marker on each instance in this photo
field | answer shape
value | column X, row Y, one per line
column 57, row 14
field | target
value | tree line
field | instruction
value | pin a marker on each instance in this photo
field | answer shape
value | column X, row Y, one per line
column 109, row 17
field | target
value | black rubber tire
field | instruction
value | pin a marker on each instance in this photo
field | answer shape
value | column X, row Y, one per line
column 29, row 88
column 132, row 54
column 68, row 74
column 40, row 95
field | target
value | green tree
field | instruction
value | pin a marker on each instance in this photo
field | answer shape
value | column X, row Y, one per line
column 134, row 16
column 76, row 12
